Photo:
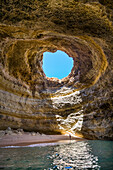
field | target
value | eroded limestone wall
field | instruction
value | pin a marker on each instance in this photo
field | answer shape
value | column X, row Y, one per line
column 80, row 103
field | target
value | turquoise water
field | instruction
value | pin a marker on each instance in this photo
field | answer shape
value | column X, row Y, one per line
column 73, row 155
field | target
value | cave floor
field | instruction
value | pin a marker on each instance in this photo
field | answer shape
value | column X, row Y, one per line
column 24, row 139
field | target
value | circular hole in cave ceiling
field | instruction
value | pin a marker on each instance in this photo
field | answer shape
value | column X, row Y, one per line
column 57, row 65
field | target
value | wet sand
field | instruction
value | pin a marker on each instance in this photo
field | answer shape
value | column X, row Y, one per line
column 28, row 139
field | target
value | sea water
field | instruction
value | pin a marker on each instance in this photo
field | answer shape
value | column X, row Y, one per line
column 78, row 155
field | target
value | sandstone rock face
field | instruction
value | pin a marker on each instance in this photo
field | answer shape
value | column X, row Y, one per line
column 81, row 103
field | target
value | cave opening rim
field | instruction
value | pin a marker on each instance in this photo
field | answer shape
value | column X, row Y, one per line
column 71, row 70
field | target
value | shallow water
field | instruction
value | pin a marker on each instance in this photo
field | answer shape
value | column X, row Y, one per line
column 73, row 155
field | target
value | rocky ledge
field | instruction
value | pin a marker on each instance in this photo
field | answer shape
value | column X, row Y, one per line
column 81, row 103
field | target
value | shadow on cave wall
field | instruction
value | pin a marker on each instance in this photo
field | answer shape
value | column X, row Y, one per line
column 30, row 21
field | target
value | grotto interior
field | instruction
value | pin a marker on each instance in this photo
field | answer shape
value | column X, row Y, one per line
column 81, row 103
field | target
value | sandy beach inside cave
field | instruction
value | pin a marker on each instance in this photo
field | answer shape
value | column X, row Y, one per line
column 24, row 139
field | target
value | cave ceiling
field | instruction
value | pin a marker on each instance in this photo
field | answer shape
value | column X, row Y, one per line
column 82, row 102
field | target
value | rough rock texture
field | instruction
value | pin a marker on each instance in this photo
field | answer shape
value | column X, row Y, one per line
column 80, row 103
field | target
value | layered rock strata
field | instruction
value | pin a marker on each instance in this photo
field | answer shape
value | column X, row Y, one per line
column 82, row 102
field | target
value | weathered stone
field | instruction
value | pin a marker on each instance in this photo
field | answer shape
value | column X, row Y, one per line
column 33, row 134
column 80, row 103
column 2, row 133
column 8, row 131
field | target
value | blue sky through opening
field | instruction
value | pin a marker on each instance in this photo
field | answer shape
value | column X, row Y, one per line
column 57, row 64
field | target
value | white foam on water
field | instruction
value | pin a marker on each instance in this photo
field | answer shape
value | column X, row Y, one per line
column 40, row 144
